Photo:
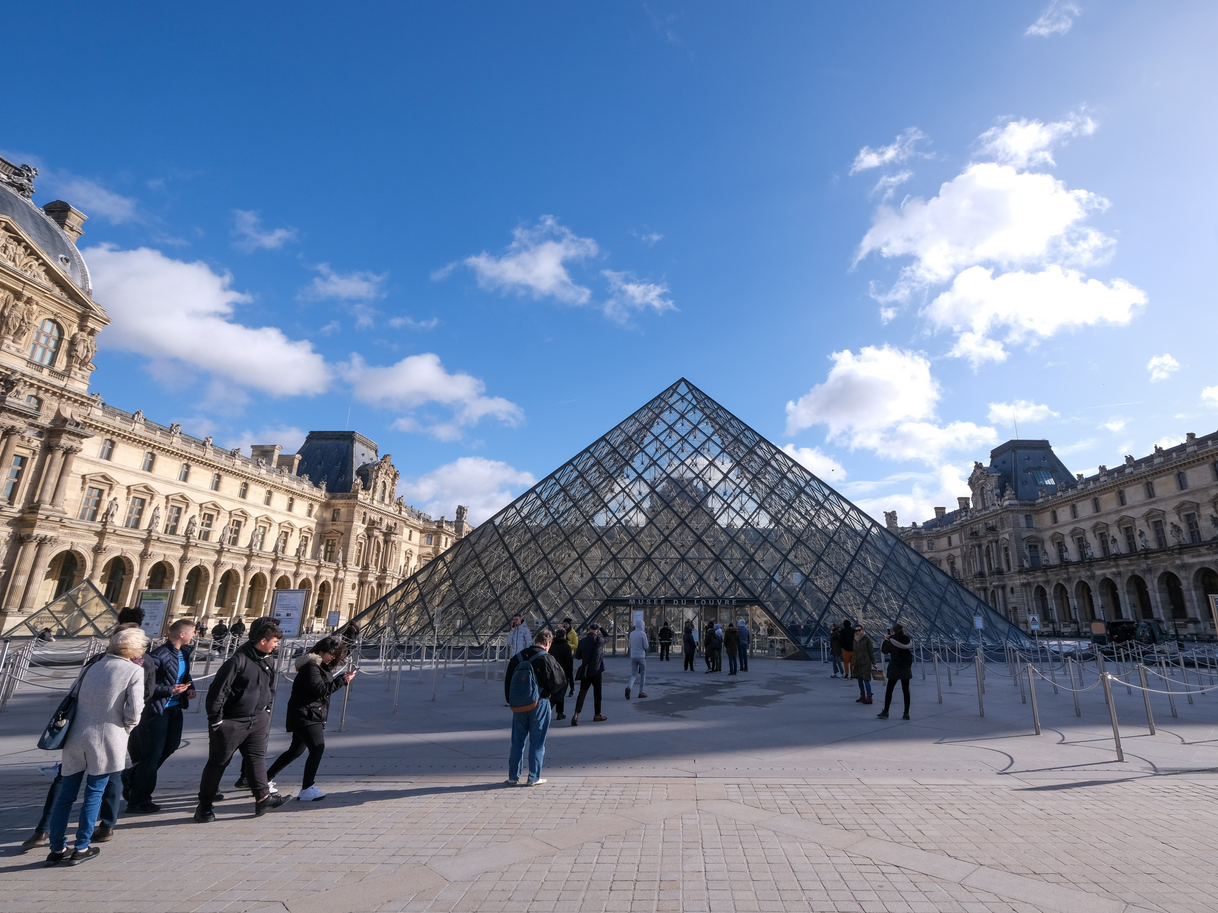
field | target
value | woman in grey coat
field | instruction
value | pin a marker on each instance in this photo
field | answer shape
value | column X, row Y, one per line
column 111, row 698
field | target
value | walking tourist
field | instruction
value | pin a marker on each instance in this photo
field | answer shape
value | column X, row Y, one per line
column 689, row 646
column 899, row 647
column 308, row 710
column 847, row 638
column 560, row 649
column 218, row 632
column 746, row 640
column 533, row 676
column 731, row 646
column 708, row 647
column 110, row 701
column 518, row 636
column 237, row 628
column 835, row 649
column 665, row 636
column 568, row 630
column 159, row 733
column 591, row 655
column 861, row 664
column 638, row 659
column 239, row 705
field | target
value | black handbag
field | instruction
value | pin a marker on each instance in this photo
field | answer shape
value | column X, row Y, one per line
column 56, row 732
column 581, row 673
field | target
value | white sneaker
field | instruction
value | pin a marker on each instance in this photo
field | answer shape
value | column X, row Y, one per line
column 537, row 782
column 271, row 786
column 312, row 794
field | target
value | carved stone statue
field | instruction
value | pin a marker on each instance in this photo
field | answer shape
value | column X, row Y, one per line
column 138, row 417
column 18, row 318
column 1177, row 533
column 82, row 348
column 191, row 525
column 207, row 441
column 111, row 511
column 1143, row 540
column 225, row 531
column 1116, row 546
column 1087, row 555
column 278, row 546
column 256, row 538
column 154, row 525
column 22, row 181
column 338, row 558
column 175, row 428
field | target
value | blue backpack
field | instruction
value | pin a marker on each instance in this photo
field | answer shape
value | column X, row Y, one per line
column 523, row 691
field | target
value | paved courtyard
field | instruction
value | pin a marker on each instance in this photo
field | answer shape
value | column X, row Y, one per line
column 772, row 790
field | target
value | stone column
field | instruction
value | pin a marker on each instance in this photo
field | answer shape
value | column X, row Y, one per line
column 21, row 570
column 50, row 473
column 65, row 473
column 12, row 434
column 37, row 573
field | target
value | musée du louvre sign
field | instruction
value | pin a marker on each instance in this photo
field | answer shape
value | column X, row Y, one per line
column 680, row 601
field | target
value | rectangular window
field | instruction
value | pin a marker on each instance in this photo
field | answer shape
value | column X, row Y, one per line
column 930, row 545
column 234, row 532
column 107, row 449
column 206, row 522
column 1027, row 521
column 215, row 481
column 1182, row 480
column 1216, row 470
column 1095, row 505
column 267, row 498
column 335, row 514
column 172, row 519
column 1081, row 544
column 245, row 490
column 1160, row 533
column 410, row 537
column 1104, row 549
column 304, row 546
column 260, row 537
column 1006, row 558
column 1131, row 541
column 1053, row 516
column 91, row 504
column 291, row 505
column 283, row 543
column 135, row 513
column 1194, row 528
column 1034, row 556
column 309, row 511
column 184, row 473
column 1150, row 490
column 1063, row 553
column 328, row 551
column 428, row 539
column 949, row 541
column 149, row 461
column 1073, row 511
column 1121, row 497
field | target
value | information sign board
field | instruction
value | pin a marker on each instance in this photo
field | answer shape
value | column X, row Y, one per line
column 155, row 604
column 288, row 609
column 1034, row 622
column 978, row 622
column 332, row 618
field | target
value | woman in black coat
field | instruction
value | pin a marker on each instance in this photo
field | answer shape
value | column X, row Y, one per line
column 308, row 709
column 899, row 647
column 560, row 649
column 591, row 654
column 689, row 646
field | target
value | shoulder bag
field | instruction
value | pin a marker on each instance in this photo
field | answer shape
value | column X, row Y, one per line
column 56, row 731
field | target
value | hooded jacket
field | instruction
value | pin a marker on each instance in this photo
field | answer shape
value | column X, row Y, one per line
column 243, row 687
column 310, row 700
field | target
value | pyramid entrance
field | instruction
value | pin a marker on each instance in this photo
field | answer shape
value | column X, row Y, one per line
column 681, row 501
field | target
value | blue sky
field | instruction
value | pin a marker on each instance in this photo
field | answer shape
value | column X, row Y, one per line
column 482, row 234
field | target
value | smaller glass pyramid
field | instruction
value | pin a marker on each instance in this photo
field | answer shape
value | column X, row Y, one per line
column 682, row 504
column 80, row 612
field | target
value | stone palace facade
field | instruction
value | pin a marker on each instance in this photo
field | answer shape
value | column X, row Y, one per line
column 92, row 491
column 1139, row 541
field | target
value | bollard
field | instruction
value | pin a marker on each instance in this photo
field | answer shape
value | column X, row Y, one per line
column 1078, row 711
column 1052, row 674
column 1171, row 698
column 1101, row 671
column 1116, row 730
column 938, row 684
column 1035, row 709
column 486, row 666
column 464, row 665
column 980, row 688
column 1150, row 719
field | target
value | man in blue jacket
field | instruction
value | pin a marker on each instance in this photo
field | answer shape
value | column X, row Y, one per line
column 746, row 638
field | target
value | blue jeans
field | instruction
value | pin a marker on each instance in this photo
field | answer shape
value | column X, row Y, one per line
column 95, row 787
column 534, row 725
column 744, row 657
column 838, row 669
column 638, row 669
column 865, row 687
column 731, row 664
column 109, row 806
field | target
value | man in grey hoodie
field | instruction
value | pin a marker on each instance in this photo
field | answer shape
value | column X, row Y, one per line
column 638, row 659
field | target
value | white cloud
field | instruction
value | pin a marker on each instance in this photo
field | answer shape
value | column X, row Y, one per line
column 627, row 294
column 91, row 198
column 419, row 380
column 354, row 286
column 650, row 238
column 482, row 485
column 535, row 263
column 1021, row 410
column 1162, row 367
column 1026, row 307
column 1029, row 143
column 1170, row 440
column 1055, row 20
column 288, row 436
column 248, row 231
column 1115, row 424
column 895, row 153
column 990, row 213
column 917, row 503
column 819, row 463
column 1209, row 396
column 883, row 399
column 889, row 182
column 409, row 323
column 171, row 310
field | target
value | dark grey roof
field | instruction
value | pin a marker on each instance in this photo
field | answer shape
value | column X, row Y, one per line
column 47, row 235
column 1028, row 466
column 335, row 457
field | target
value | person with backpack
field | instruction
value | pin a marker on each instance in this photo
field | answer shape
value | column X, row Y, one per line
column 308, row 710
column 591, row 654
column 239, row 705
column 533, row 676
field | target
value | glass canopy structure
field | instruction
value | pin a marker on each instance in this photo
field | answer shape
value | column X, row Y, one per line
column 682, row 504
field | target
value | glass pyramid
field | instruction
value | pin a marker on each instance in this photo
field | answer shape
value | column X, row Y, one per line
column 682, row 503
column 80, row 612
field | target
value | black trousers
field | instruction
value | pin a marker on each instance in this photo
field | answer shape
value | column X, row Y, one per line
column 568, row 669
column 593, row 682
column 689, row 662
column 311, row 737
column 558, row 702
column 665, row 648
column 892, row 683
column 246, row 736
column 153, row 742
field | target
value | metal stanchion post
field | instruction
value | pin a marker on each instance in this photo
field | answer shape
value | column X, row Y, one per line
column 1101, row 671
column 1188, row 691
column 1078, row 711
column 949, row 665
column 980, row 689
column 1116, row 730
column 486, row 662
column 464, row 665
column 1171, row 698
column 1150, row 718
column 938, row 683
column 1032, row 693
column 398, row 683
column 435, row 659
column 922, row 660
column 1022, row 696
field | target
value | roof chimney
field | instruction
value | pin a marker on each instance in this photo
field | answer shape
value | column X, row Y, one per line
column 963, row 502
column 940, row 512
column 288, row 462
column 268, row 453
column 67, row 217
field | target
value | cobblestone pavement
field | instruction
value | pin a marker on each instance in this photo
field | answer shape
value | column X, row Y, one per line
column 768, row 791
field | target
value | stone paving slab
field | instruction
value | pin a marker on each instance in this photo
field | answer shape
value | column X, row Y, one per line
column 767, row 791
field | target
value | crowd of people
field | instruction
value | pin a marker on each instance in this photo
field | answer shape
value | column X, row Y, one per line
column 853, row 656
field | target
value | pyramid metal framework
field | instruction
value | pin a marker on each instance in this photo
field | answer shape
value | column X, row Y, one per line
column 682, row 501
column 80, row 612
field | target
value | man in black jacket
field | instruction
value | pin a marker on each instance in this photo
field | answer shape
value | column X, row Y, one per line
column 159, row 732
column 239, row 719
column 533, row 723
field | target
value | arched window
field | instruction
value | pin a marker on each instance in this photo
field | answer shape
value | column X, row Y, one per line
column 384, row 489
column 46, row 342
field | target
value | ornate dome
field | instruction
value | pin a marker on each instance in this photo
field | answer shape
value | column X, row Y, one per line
column 42, row 229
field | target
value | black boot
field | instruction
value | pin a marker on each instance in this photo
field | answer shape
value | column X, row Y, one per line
column 204, row 813
column 271, row 801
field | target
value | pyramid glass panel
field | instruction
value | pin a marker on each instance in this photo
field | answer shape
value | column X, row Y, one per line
column 682, row 505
